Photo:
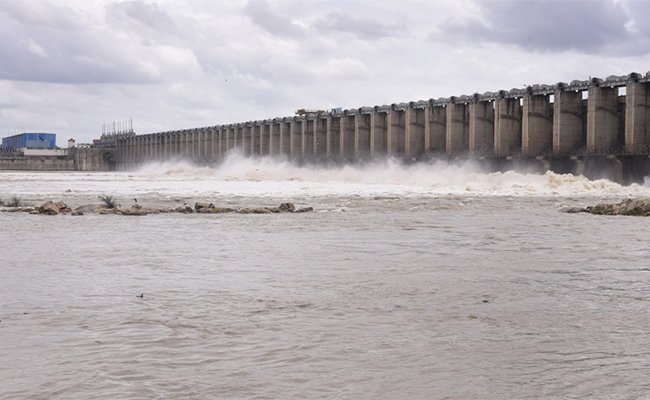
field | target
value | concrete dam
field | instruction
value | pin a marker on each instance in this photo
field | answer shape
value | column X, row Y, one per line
column 596, row 127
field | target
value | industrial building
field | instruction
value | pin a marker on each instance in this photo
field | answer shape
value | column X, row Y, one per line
column 30, row 140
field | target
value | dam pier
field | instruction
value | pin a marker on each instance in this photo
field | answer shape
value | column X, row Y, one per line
column 595, row 127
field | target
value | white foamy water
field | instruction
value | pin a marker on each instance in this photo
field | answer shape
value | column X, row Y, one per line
column 428, row 281
column 238, row 176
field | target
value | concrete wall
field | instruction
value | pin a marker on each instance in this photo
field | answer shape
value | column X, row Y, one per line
column 562, row 120
column 37, row 164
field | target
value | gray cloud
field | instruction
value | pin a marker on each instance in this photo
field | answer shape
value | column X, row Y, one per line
column 362, row 27
column 150, row 15
column 588, row 26
column 70, row 65
column 264, row 15
column 45, row 47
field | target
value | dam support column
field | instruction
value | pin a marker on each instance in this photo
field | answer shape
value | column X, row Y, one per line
column 361, row 136
column 256, row 139
column 602, row 119
column 347, row 138
column 457, row 133
column 295, row 138
column 507, row 126
column 537, row 125
column 378, row 134
column 333, row 132
column 396, row 131
column 285, row 138
column 637, row 117
column 414, row 133
column 246, row 138
column 481, row 128
column 320, row 138
column 263, row 138
column 235, row 137
column 308, row 139
column 275, row 149
column 568, row 122
column 435, row 130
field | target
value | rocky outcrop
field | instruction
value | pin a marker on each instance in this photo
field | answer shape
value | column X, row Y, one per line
column 51, row 208
column 640, row 208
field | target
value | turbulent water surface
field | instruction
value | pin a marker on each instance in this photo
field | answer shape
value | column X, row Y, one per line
column 430, row 281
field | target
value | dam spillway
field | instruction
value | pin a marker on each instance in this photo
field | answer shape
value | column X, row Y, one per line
column 566, row 127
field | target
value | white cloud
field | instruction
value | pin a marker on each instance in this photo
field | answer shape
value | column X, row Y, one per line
column 36, row 49
column 70, row 65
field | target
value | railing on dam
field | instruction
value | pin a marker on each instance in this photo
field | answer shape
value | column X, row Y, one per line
column 593, row 117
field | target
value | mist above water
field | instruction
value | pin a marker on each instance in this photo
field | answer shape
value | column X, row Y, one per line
column 270, row 176
column 276, row 178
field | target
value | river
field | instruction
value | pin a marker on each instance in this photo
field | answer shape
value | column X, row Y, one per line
column 429, row 281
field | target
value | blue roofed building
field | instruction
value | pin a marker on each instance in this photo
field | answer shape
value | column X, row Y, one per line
column 30, row 140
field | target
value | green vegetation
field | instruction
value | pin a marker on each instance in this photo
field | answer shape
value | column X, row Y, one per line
column 15, row 201
column 109, row 200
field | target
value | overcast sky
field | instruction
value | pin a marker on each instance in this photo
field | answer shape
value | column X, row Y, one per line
column 68, row 66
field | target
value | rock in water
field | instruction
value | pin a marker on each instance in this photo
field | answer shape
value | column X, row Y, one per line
column 287, row 207
column 640, row 208
column 51, row 208
column 203, row 207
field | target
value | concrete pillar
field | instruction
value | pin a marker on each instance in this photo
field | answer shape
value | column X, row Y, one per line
column 149, row 147
column 156, row 147
column 320, row 138
column 232, row 137
column 568, row 122
column 207, row 144
column 435, row 130
column 637, row 117
column 457, row 133
column 189, row 150
column 145, row 148
column 256, row 139
column 481, row 128
column 361, row 136
column 602, row 119
column 195, row 144
column 414, row 133
column 295, row 138
column 211, row 144
column 274, row 133
column 378, row 138
column 155, row 151
column 537, row 125
column 221, row 140
column 160, row 156
column 169, row 150
column 155, row 138
column 507, row 126
column 136, row 151
column 347, row 137
column 174, row 145
column 333, row 137
column 246, row 138
column 188, row 144
column 285, row 138
column 308, row 139
column 265, row 139
column 167, row 155
column 396, row 128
